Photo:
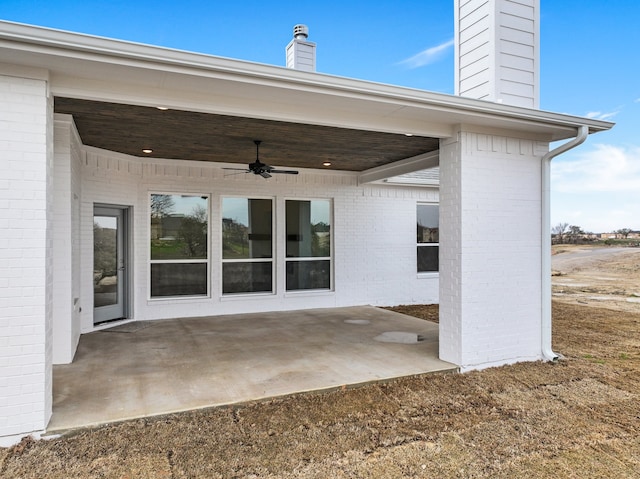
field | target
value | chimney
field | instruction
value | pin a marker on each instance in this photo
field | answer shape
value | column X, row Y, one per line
column 301, row 54
column 497, row 55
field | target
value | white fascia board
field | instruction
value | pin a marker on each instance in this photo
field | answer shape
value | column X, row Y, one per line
column 50, row 46
column 410, row 182
column 401, row 167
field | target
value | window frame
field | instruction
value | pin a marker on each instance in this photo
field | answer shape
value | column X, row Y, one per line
column 206, row 260
column 329, row 258
column 427, row 274
column 272, row 259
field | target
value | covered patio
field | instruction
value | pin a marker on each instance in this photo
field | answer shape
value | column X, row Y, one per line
column 139, row 369
column 102, row 131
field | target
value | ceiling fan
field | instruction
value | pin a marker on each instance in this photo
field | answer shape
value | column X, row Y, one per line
column 259, row 168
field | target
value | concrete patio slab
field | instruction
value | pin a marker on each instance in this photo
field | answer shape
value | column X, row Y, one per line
column 158, row 367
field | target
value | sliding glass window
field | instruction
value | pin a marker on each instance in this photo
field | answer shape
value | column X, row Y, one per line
column 247, row 245
column 179, row 247
column 308, row 250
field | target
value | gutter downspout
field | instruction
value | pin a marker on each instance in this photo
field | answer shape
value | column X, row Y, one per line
column 583, row 132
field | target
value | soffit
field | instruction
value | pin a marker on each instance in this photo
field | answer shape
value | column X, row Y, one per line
column 188, row 135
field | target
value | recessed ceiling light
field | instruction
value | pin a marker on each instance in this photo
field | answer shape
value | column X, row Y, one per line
column 408, row 134
column 163, row 108
column 147, row 150
column 326, row 163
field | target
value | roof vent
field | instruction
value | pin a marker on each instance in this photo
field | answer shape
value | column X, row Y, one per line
column 300, row 32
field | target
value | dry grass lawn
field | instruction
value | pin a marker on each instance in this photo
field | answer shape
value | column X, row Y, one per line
column 579, row 418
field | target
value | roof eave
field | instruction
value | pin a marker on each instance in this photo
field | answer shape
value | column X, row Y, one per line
column 84, row 47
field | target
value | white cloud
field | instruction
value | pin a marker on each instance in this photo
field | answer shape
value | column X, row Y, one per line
column 427, row 56
column 597, row 189
column 604, row 168
column 602, row 116
column 595, row 212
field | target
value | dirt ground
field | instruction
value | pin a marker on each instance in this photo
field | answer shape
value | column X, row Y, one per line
column 578, row 418
column 597, row 276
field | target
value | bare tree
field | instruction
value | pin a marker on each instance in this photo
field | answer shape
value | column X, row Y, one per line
column 161, row 205
column 193, row 233
column 559, row 231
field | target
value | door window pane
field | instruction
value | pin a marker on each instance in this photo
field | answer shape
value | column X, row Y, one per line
column 105, row 261
column 308, row 233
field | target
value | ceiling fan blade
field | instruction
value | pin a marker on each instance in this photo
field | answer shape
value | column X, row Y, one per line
column 262, row 169
column 238, row 169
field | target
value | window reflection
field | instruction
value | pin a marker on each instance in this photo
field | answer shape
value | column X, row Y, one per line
column 105, row 261
column 179, row 245
column 178, row 227
column 247, row 226
column 428, row 238
column 308, row 231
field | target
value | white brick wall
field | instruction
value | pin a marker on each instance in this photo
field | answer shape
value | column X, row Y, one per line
column 66, row 224
column 25, row 279
column 490, row 298
column 374, row 228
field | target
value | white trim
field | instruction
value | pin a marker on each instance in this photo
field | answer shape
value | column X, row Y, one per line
column 401, row 167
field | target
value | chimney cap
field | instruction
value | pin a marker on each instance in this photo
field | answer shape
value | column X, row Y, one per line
column 300, row 31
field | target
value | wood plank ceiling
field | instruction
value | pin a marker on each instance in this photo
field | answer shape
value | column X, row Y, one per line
column 188, row 135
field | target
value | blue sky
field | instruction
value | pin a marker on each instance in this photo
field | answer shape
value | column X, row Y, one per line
column 589, row 55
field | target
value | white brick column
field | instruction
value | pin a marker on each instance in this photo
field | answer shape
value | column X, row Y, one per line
column 66, row 258
column 490, row 249
column 25, row 255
